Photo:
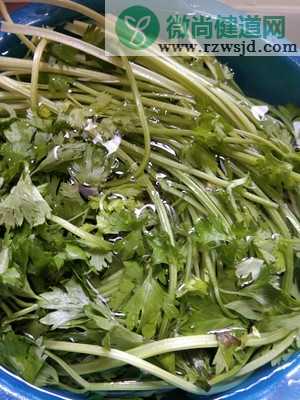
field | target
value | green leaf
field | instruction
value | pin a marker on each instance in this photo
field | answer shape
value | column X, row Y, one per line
column 163, row 252
column 275, row 172
column 210, row 233
column 99, row 261
column 132, row 276
column 247, row 309
column 75, row 253
column 130, row 245
column 94, row 35
column 69, row 304
column 12, row 277
column 24, row 203
column 107, row 127
column 194, row 287
column 144, row 309
column 68, row 202
column 249, row 270
column 288, row 321
column 21, row 356
column 12, row 163
column 118, row 221
column 195, row 366
column 124, row 339
column 59, row 83
column 94, row 168
column 20, row 134
column 168, row 362
column 47, row 376
column 5, row 257
column 64, row 53
column 225, row 357
column 271, row 249
column 101, row 322
column 204, row 316
column 60, row 156
column 199, row 157
column 221, row 362
column 212, row 130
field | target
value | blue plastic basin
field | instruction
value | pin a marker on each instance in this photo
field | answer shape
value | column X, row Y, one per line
column 273, row 79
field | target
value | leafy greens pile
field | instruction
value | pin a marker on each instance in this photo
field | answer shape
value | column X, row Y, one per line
column 150, row 219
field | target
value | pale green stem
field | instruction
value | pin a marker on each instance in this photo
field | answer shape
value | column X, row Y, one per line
column 92, row 50
column 151, row 350
column 142, row 116
column 268, row 356
column 166, row 226
column 96, row 90
column 127, row 358
column 38, row 54
column 93, row 240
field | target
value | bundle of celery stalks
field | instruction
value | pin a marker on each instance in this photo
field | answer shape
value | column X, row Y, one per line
column 149, row 218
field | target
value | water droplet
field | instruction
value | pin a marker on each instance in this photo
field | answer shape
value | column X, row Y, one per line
column 165, row 147
column 260, row 112
column 113, row 144
column 55, row 152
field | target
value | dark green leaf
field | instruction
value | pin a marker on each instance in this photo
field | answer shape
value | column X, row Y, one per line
column 21, row 356
column 24, row 203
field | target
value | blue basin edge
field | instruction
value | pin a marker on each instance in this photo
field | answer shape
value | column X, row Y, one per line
column 272, row 79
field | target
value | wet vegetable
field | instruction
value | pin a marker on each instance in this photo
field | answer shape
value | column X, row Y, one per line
column 150, row 219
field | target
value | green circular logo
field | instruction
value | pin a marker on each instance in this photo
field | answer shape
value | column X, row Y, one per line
column 137, row 27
